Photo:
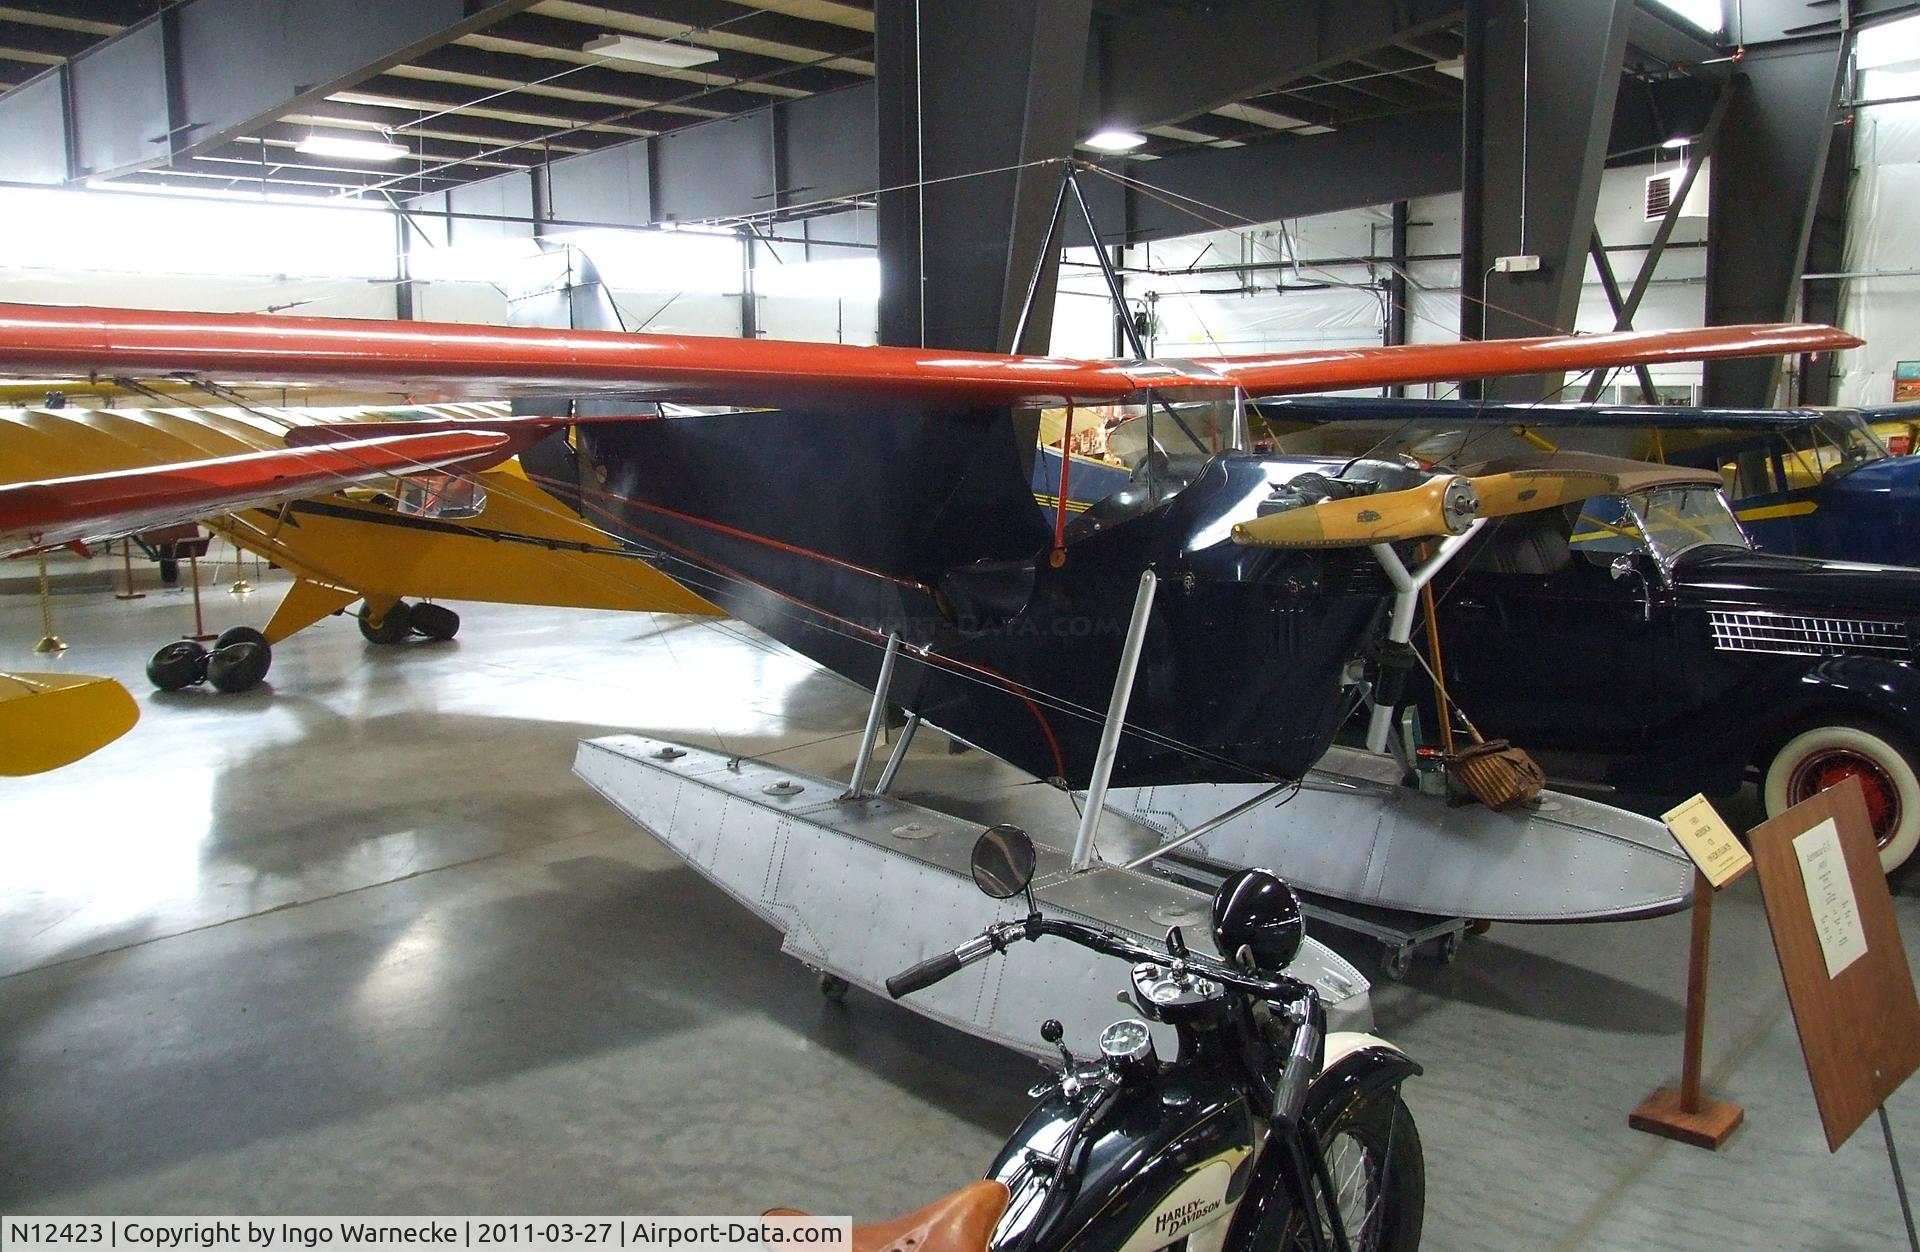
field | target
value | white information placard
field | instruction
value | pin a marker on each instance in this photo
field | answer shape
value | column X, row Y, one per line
column 1836, row 914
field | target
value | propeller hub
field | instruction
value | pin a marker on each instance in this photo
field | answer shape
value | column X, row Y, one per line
column 1459, row 506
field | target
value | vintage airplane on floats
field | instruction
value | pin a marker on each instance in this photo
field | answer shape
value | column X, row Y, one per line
column 873, row 511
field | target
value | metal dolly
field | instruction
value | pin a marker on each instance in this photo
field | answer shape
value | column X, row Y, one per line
column 1397, row 931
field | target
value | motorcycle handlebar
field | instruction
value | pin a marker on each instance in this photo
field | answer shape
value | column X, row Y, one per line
column 1279, row 989
column 923, row 975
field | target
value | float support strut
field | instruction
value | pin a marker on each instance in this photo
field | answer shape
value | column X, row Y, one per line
column 1116, row 720
column 857, row 787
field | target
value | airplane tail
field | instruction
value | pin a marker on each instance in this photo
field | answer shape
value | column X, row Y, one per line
column 560, row 288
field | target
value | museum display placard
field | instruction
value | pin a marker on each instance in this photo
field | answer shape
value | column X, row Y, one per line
column 1840, row 952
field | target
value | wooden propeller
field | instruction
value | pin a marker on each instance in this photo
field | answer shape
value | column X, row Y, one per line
column 1443, row 505
column 1524, row 491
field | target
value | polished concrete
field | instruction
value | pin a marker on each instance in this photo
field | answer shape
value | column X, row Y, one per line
column 359, row 942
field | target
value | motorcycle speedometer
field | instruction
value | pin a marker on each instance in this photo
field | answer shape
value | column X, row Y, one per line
column 1127, row 1042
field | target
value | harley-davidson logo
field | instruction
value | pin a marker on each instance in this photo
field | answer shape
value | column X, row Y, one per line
column 1174, row 1221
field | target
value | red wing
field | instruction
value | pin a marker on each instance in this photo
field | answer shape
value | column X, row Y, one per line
column 471, row 362
column 51, row 512
column 1292, row 372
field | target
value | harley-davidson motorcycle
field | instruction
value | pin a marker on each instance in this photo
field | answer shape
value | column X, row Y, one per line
column 1263, row 1133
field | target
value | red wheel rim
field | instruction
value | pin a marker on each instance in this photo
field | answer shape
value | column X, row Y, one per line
column 1832, row 766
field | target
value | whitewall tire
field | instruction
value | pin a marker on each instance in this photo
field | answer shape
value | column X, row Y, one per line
column 1822, row 756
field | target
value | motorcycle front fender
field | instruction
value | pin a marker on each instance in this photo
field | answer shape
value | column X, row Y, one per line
column 1358, row 1067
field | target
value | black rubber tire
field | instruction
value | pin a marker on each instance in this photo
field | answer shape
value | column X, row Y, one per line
column 1383, row 1126
column 239, row 660
column 394, row 628
column 434, row 621
column 178, row 666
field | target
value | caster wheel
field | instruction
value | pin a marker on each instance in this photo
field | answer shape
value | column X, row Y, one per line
column 393, row 628
column 239, row 660
column 833, row 987
column 178, row 666
column 435, row 621
column 1395, row 962
column 1448, row 949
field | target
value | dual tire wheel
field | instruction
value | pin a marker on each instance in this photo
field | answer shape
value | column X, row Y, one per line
column 1885, row 763
column 237, row 661
column 403, row 620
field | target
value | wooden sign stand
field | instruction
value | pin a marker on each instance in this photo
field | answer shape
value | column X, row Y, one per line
column 1685, row 1114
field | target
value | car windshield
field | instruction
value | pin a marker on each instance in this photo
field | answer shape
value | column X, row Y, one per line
column 1667, row 520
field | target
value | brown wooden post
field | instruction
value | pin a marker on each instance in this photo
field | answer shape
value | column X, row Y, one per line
column 1686, row 1115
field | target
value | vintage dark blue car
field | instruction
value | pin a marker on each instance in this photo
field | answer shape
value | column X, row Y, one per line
column 1637, row 642
column 1811, row 482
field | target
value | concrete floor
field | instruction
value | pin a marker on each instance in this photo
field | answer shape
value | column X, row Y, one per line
column 358, row 942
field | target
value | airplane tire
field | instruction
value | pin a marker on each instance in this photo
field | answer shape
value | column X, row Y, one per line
column 435, row 621
column 239, row 660
column 178, row 666
column 394, row 628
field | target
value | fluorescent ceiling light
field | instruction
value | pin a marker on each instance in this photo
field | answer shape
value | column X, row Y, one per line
column 677, row 56
column 1677, row 142
column 1456, row 68
column 1889, row 43
column 1114, row 141
column 351, row 149
column 1704, row 14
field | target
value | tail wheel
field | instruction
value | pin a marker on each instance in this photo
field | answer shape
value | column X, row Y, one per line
column 1379, row 1176
column 239, row 660
column 393, row 628
column 178, row 666
column 1824, row 756
column 435, row 621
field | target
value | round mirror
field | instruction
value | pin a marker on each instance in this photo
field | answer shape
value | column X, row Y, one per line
column 1003, row 860
column 1255, row 911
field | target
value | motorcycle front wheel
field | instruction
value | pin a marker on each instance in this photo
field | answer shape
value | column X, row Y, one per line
column 1379, row 1176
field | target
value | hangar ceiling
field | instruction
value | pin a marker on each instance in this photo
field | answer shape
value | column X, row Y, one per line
column 522, row 89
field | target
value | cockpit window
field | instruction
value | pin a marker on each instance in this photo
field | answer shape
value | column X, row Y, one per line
column 442, row 495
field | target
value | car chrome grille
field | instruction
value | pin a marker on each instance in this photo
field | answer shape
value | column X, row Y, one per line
column 1792, row 635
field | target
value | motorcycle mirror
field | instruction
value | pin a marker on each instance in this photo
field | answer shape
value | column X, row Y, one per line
column 1003, row 861
column 1254, row 912
column 1622, row 567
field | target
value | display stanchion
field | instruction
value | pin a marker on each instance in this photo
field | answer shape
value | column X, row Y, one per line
column 1686, row 1114
column 126, row 561
column 199, row 634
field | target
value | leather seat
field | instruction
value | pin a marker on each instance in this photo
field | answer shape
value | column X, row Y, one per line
column 961, row 1222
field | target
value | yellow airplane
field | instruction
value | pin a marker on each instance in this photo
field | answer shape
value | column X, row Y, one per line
column 360, row 527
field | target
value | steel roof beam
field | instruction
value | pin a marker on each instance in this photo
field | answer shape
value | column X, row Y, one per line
column 168, row 87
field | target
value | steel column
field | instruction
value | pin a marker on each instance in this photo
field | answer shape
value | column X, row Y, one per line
column 974, row 102
column 1765, row 189
column 1542, row 80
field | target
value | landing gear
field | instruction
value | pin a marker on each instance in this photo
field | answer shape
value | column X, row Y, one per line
column 237, row 662
column 178, row 666
column 392, row 627
column 435, row 621
column 403, row 621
